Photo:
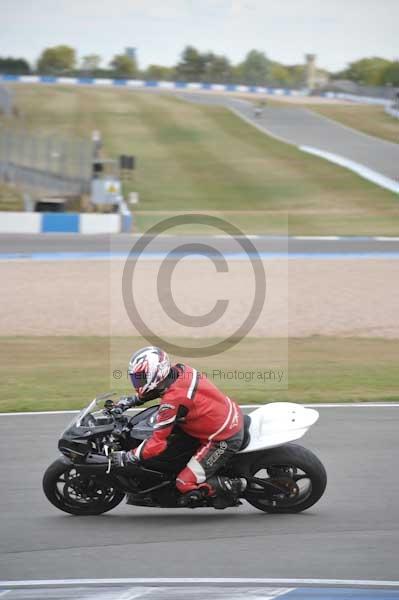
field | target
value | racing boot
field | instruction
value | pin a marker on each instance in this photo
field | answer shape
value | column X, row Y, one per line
column 193, row 499
column 226, row 490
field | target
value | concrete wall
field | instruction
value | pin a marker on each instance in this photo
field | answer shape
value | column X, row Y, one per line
column 19, row 222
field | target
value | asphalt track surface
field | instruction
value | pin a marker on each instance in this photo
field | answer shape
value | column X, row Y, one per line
column 28, row 244
column 197, row 591
column 352, row 533
column 302, row 127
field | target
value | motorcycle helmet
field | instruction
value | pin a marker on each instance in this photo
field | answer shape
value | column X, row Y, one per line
column 148, row 367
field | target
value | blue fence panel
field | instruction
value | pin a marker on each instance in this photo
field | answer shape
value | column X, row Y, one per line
column 10, row 77
column 127, row 220
column 48, row 79
column 230, row 87
column 60, row 223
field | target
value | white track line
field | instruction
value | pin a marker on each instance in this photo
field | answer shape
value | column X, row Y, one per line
column 156, row 581
column 365, row 172
column 246, row 406
column 44, row 412
column 317, row 237
column 130, row 595
column 354, row 405
column 361, row 170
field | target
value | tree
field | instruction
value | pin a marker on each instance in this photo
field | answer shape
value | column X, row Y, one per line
column 124, row 66
column 236, row 74
column 217, row 69
column 192, row 65
column 57, row 60
column 280, row 75
column 368, row 71
column 391, row 74
column 159, row 73
column 255, row 69
column 206, row 66
column 90, row 63
column 297, row 75
column 14, row 66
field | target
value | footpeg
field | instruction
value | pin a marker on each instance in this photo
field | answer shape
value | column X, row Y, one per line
column 192, row 499
column 228, row 491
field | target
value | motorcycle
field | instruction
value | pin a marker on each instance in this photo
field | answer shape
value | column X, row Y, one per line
column 281, row 477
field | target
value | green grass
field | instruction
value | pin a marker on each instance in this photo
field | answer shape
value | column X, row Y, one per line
column 372, row 120
column 283, row 223
column 256, row 222
column 10, row 199
column 197, row 157
column 50, row 373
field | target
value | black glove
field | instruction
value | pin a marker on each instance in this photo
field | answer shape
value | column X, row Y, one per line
column 124, row 404
column 123, row 459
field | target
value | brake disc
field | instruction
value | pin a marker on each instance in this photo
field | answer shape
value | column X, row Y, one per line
column 76, row 488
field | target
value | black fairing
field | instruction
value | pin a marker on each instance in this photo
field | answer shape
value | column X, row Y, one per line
column 152, row 482
column 78, row 443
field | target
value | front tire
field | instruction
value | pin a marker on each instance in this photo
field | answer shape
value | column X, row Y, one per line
column 295, row 470
column 78, row 493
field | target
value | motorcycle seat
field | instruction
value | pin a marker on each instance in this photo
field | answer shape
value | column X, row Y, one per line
column 247, row 436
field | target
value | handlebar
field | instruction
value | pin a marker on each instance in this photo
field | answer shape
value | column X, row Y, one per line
column 126, row 402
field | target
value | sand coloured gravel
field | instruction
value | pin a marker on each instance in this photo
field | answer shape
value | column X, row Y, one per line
column 340, row 297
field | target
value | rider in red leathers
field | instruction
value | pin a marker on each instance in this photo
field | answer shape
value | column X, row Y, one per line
column 201, row 410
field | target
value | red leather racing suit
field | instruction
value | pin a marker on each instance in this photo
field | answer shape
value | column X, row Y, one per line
column 203, row 412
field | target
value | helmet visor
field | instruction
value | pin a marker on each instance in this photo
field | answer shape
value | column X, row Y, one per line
column 138, row 380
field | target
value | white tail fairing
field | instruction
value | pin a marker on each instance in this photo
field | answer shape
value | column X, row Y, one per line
column 278, row 423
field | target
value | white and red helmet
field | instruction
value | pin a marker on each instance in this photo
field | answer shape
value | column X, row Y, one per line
column 148, row 367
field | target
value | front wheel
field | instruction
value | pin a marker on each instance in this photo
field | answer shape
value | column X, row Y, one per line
column 78, row 493
column 286, row 479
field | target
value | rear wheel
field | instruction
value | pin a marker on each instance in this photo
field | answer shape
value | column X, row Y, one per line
column 78, row 493
column 287, row 479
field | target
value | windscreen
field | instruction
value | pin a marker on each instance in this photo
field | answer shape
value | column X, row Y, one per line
column 77, row 419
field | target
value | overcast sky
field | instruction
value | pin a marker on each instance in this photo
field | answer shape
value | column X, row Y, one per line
column 338, row 31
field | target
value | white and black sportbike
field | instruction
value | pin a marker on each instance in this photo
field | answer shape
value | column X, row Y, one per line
column 281, row 477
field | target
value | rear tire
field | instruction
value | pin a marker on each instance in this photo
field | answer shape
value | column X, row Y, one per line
column 64, row 487
column 294, row 459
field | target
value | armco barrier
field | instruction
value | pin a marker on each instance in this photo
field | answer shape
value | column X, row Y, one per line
column 388, row 105
column 393, row 112
column 88, row 223
column 358, row 99
column 138, row 83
